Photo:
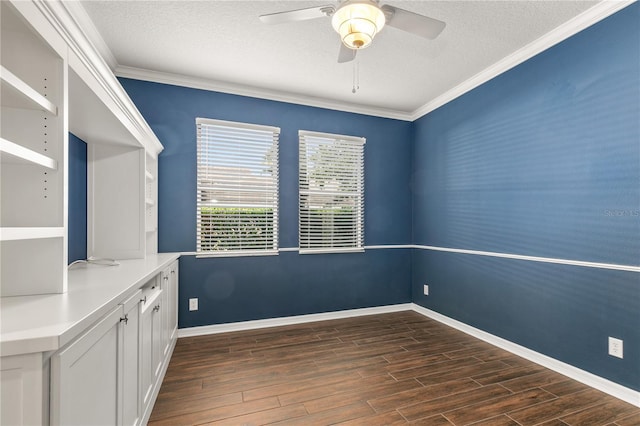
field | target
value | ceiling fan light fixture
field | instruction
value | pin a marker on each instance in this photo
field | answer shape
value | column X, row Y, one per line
column 358, row 22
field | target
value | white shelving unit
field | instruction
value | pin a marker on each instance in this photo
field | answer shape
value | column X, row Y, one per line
column 19, row 94
column 18, row 154
column 33, row 156
column 53, row 81
column 151, row 203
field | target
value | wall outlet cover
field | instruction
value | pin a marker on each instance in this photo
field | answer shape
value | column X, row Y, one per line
column 193, row 304
column 615, row 347
column 426, row 290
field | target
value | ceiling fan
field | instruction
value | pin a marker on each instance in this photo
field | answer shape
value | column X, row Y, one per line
column 358, row 21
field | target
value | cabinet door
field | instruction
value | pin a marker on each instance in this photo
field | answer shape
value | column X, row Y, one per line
column 172, row 304
column 157, row 335
column 130, row 377
column 166, row 291
column 23, row 389
column 84, row 376
column 147, row 370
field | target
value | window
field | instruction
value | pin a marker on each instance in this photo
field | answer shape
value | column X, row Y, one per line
column 237, row 188
column 331, row 180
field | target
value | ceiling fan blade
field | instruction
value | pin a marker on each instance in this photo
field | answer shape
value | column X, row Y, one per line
column 346, row 54
column 413, row 23
column 298, row 15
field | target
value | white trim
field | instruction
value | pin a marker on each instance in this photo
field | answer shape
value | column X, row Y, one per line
column 328, row 250
column 289, row 249
column 390, row 246
column 613, row 266
column 621, row 392
column 610, row 266
column 586, row 19
column 255, row 92
column 80, row 14
column 298, row 319
column 236, row 253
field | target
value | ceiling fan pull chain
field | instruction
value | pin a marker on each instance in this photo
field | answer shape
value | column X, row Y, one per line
column 356, row 76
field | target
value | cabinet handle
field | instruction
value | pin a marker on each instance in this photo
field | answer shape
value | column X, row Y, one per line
column 125, row 319
column 173, row 271
column 144, row 300
column 166, row 278
column 156, row 308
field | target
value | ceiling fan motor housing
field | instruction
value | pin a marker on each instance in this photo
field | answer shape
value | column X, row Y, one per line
column 357, row 22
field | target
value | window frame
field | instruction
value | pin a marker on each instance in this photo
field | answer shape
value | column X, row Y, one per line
column 315, row 245
column 258, row 137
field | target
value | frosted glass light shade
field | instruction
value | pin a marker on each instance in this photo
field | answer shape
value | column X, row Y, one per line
column 357, row 23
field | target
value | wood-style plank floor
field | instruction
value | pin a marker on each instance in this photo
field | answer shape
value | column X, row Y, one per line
column 376, row 370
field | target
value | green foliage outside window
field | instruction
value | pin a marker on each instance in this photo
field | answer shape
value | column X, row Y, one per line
column 246, row 228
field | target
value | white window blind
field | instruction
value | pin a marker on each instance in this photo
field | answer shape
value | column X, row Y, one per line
column 237, row 188
column 331, row 180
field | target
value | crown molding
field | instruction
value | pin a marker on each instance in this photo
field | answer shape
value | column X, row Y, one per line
column 595, row 14
column 586, row 19
column 81, row 16
column 255, row 92
column 61, row 16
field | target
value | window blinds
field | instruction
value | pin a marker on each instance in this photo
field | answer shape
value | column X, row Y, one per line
column 331, row 183
column 237, row 205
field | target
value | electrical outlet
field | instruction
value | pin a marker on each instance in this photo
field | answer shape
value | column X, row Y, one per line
column 615, row 347
column 426, row 290
column 193, row 304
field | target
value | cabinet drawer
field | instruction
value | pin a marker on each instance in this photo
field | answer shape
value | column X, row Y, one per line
column 149, row 293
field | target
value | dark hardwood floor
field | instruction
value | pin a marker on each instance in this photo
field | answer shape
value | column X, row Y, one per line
column 376, row 370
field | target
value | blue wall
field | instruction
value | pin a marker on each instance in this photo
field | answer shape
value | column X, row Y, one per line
column 77, row 219
column 543, row 160
column 248, row 288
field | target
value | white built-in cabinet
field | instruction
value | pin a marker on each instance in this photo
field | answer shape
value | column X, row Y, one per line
column 33, row 156
column 90, row 345
column 110, row 373
column 54, row 82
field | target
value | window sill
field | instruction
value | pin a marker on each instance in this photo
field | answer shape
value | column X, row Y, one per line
column 243, row 253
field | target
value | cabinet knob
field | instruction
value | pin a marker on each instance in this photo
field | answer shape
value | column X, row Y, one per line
column 166, row 278
column 173, row 271
column 144, row 300
column 125, row 319
column 156, row 308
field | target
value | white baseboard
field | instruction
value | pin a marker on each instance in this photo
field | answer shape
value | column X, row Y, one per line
column 298, row 319
column 621, row 392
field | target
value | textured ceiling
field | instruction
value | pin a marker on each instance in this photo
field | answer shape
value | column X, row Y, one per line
column 224, row 42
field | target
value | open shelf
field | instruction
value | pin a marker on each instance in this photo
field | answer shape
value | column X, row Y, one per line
column 18, row 94
column 30, row 233
column 14, row 153
column 149, row 201
column 149, row 176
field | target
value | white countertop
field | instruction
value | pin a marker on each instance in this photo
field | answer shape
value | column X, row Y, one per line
column 44, row 323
